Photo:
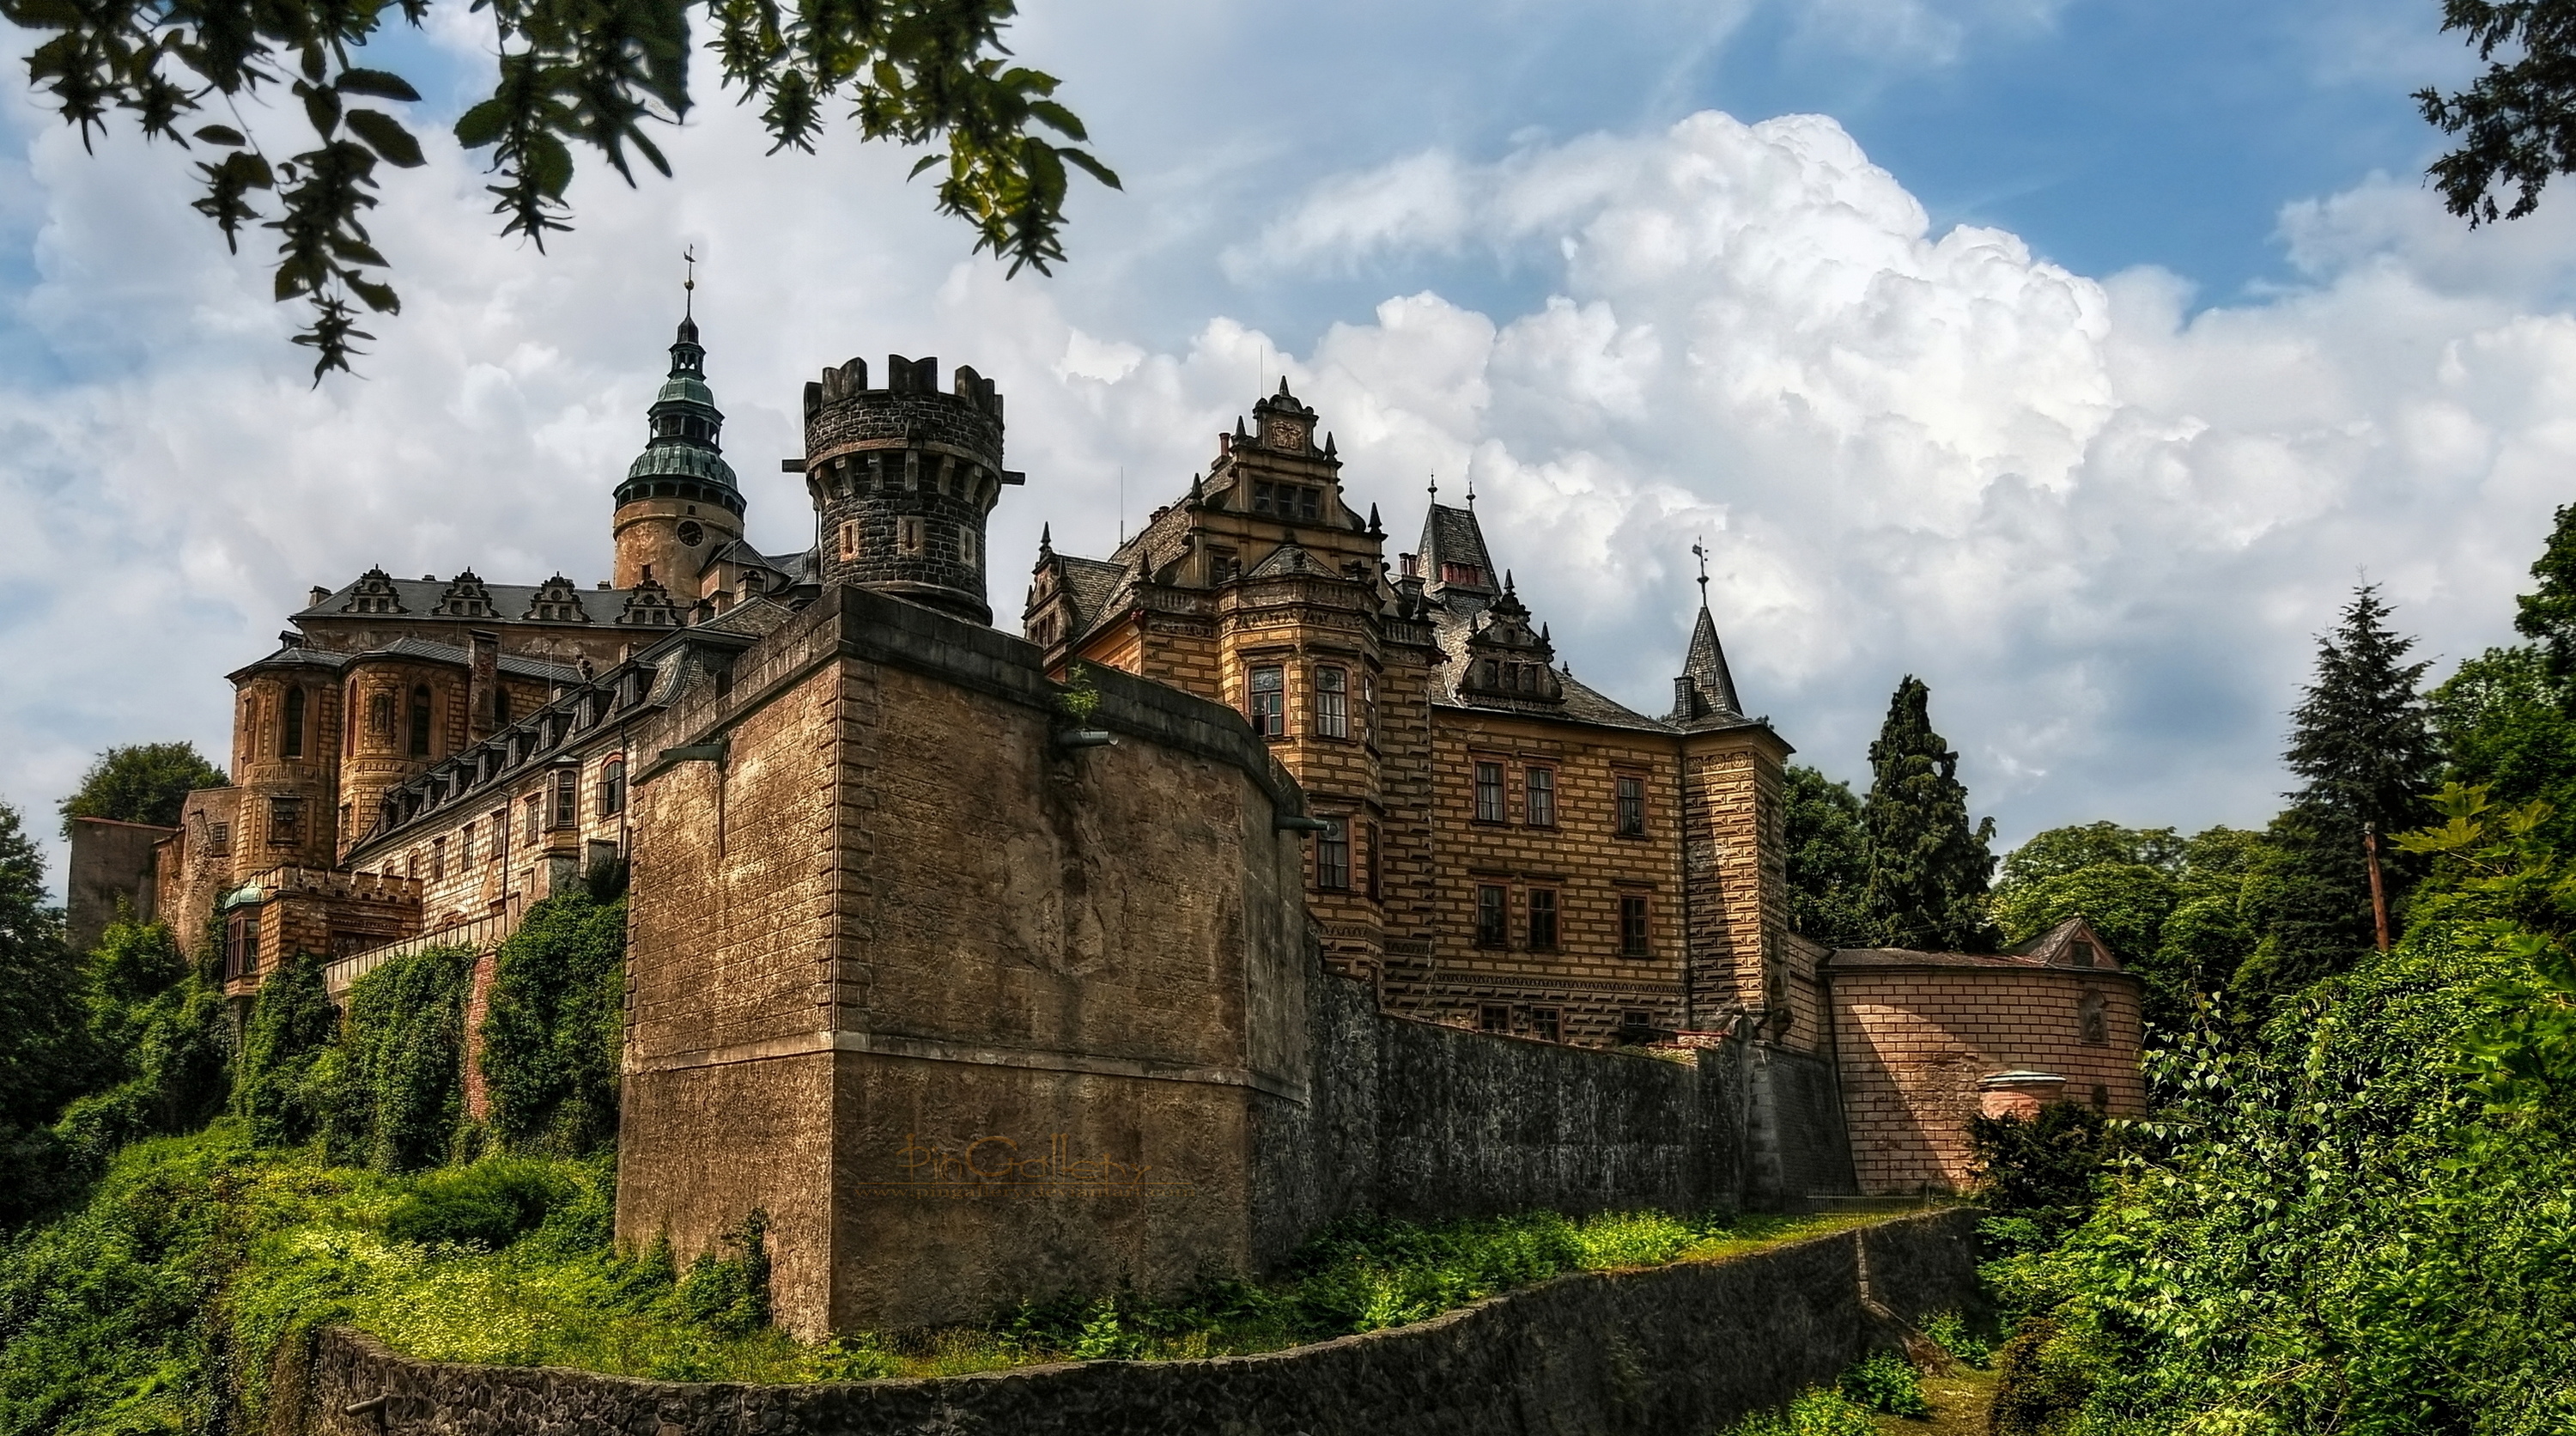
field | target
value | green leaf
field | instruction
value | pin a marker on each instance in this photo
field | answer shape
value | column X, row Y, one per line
column 386, row 136
column 484, row 124
column 321, row 107
column 221, row 135
column 382, row 84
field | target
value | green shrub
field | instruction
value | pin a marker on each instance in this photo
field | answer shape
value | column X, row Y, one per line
column 491, row 1204
column 1961, row 1338
column 2039, row 1172
column 290, row 1026
column 1886, row 1381
column 397, row 1075
column 1817, row 1413
column 730, row 1295
column 551, row 1039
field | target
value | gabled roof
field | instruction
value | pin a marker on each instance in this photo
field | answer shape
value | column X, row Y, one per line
column 2054, row 948
column 1452, row 536
column 419, row 597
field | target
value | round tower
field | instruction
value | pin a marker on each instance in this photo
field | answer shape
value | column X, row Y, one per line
column 902, row 479
column 679, row 503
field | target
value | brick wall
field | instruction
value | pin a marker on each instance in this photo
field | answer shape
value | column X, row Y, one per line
column 1915, row 1041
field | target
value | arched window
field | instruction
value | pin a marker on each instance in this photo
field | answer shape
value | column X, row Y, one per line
column 612, row 787
column 291, row 744
column 420, row 721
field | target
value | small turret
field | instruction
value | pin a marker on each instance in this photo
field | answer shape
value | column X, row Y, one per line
column 903, row 478
column 679, row 504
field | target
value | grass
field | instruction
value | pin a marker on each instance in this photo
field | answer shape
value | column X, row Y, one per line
column 157, row 1304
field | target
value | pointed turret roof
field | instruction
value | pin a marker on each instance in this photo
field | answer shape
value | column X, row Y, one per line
column 1453, row 551
column 684, row 427
column 1704, row 694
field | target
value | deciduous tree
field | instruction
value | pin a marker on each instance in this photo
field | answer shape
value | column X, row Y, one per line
column 599, row 74
column 1828, row 860
column 141, row 783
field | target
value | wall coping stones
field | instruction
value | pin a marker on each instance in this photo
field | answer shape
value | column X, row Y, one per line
column 1687, row 1346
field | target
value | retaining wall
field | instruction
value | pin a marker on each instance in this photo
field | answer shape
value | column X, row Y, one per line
column 1671, row 1351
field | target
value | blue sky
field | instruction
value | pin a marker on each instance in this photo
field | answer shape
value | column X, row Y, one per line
column 2076, row 356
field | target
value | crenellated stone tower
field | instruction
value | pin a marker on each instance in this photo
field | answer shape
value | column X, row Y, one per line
column 902, row 478
column 679, row 504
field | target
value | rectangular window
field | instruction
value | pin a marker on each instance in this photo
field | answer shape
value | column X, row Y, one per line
column 1333, row 855
column 1332, row 703
column 1632, row 926
column 1538, row 790
column 500, row 835
column 292, row 744
column 1542, row 920
column 285, row 822
column 465, row 849
column 1489, row 792
column 1263, row 498
column 1493, row 918
column 567, row 797
column 1547, row 1024
column 241, row 944
column 1493, row 1017
column 908, row 535
column 612, row 787
column 536, row 807
column 1635, row 1028
column 1372, row 862
column 849, row 538
column 1632, row 806
column 1368, row 707
column 966, row 545
column 1270, row 702
column 437, row 859
column 219, row 838
column 1310, row 505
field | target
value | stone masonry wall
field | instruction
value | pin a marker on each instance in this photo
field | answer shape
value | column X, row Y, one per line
column 1677, row 1349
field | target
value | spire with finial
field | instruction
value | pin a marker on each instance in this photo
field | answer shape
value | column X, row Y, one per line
column 1046, row 542
column 1706, row 689
column 1471, row 488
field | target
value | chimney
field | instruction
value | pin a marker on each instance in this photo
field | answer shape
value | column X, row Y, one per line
column 482, row 685
column 319, row 593
column 1685, row 698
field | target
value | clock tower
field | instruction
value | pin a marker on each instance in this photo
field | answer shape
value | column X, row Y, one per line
column 679, row 505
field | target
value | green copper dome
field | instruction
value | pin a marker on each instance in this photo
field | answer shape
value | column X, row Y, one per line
column 682, row 457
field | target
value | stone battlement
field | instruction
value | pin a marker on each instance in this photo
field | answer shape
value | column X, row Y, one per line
column 337, row 886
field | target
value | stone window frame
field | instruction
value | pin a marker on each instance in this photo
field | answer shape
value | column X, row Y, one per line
column 849, row 539
column 285, row 822
column 1332, row 716
column 1333, row 855
column 290, row 729
column 1628, row 787
column 500, row 835
column 1544, row 919
column 533, row 808
column 2093, row 1020
column 1547, row 1024
column 424, row 722
column 1266, row 699
column 911, row 534
column 966, row 547
column 1538, row 794
column 1636, row 925
column 1493, row 916
column 465, row 847
column 612, row 785
column 563, row 810
column 241, row 943
column 1493, row 1017
column 1498, row 790
column 438, row 859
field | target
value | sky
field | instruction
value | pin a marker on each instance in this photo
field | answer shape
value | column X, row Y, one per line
column 2077, row 357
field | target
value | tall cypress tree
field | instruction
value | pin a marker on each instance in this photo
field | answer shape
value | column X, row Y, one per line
column 1928, row 867
column 2361, row 740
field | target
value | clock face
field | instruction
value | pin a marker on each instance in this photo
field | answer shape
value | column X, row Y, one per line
column 1287, row 434
column 690, row 534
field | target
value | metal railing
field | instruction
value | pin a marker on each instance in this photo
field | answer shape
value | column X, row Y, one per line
column 480, row 934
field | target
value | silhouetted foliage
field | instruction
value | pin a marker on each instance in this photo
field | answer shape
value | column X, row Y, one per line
column 1928, row 867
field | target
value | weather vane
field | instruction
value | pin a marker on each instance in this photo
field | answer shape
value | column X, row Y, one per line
column 688, row 286
column 1435, row 486
column 1699, row 547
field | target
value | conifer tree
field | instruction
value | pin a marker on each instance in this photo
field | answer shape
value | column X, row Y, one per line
column 2361, row 740
column 1928, row 867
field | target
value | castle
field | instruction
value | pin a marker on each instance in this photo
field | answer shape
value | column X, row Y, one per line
column 1252, row 806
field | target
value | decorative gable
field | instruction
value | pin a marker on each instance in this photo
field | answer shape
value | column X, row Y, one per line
column 1506, row 660
column 465, row 598
column 557, row 601
column 373, row 593
column 649, row 605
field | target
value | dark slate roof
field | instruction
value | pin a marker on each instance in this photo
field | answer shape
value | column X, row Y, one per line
column 2049, row 950
column 1453, row 622
column 509, row 602
column 1092, row 583
column 416, row 650
column 1453, row 536
column 1706, row 696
